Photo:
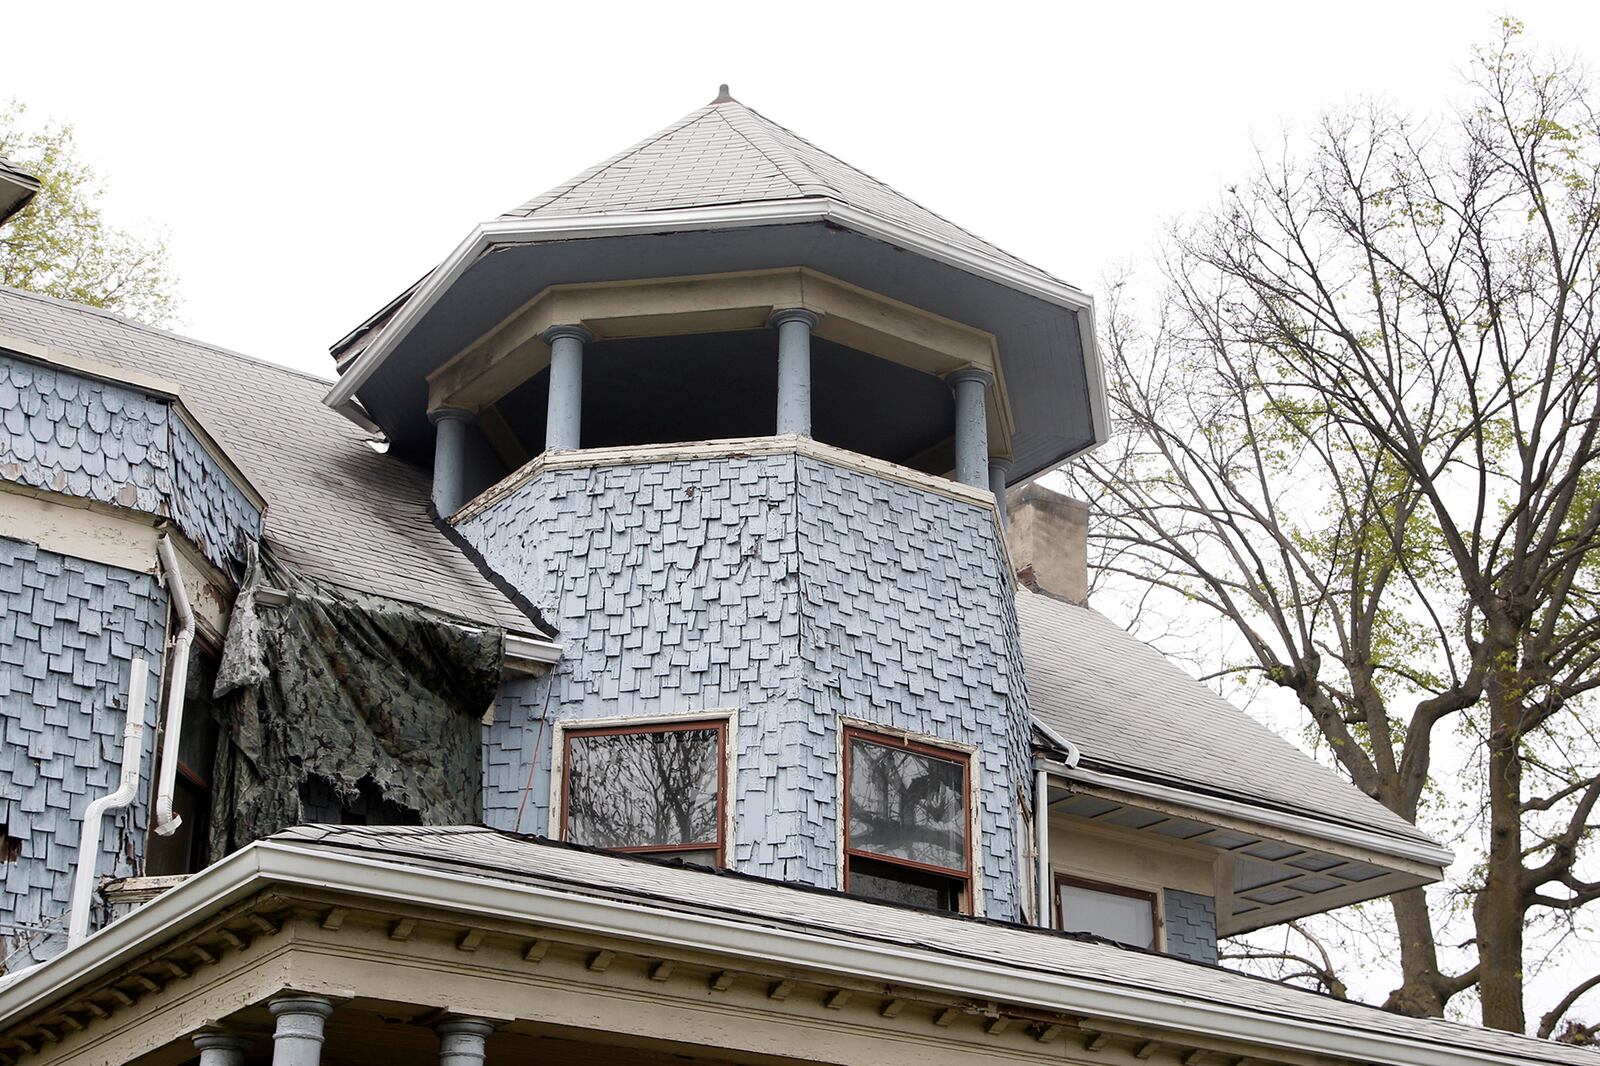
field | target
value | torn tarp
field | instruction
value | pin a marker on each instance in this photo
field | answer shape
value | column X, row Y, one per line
column 359, row 691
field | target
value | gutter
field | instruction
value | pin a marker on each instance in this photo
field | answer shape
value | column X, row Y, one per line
column 166, row 819
column 89, row 836
column 264, row 864
column 520, row 231
column 1415, row 851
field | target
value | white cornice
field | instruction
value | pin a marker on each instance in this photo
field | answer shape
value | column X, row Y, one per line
column 265, row 864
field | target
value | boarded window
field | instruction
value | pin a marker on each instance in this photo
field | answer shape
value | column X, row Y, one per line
column 1125, row 915
column 907, row 836
column 655, row 788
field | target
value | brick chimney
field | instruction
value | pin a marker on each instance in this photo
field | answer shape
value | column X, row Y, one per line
column 1048, row 537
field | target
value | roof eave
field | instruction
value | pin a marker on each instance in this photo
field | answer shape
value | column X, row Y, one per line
column 538, row 230
column 266, row 863
column 1415, row 851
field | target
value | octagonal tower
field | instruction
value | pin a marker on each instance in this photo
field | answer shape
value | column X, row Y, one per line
column 733, row 418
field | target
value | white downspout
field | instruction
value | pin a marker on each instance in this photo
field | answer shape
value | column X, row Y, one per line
column 89, row 838
column 166, row 820
column 1044, row 891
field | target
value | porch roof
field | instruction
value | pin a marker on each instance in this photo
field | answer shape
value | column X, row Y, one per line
column 487, row 874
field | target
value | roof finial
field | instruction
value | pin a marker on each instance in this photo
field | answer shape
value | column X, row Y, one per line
column 722, row 95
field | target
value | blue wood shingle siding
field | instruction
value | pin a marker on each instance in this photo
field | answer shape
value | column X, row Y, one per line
column 1191, row 925
column 97, row 440
column 792, row 590
column 69, row 631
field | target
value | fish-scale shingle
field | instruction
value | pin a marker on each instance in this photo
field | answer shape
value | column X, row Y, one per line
column 336, row 509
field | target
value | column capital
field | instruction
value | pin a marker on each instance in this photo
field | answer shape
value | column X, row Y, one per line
column 464, row 1027
column 446, row 414
column 220, row 1040
column 971, row 373
column 300, row 1003
column 1000, row 464
column 793, row 314
column 578, row 333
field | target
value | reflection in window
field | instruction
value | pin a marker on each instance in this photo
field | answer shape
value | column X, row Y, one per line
column 651, row 788
column 907, row 822
column 1124, row 915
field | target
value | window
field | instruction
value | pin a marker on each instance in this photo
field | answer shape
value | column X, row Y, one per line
column 1125, row 915
column 656, row 789
column 907, row 822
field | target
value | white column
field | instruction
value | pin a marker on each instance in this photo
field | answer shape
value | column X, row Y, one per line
column 219, row 1048
column 972, row 426
column 564, row 422
column 297, row 1041
column 461, row 1041
column 794, row 326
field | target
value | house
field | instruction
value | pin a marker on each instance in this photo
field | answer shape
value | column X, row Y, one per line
column 625, row 660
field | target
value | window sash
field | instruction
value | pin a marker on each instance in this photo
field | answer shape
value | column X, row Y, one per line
column 962, row 760
column 1062, row 881
column 698, row 725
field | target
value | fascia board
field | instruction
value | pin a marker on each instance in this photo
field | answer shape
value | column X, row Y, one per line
column 542, row 230
column 1379, row 843
column 761, row 944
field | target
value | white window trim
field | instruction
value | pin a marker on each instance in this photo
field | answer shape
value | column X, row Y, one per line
column 727, row 715
column 974, row 791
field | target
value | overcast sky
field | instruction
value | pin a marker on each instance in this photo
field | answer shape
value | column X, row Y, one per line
column 309, row 161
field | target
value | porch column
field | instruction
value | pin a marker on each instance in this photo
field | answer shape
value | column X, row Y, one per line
column 972, row 426
column 999, row 474
column 461, row 1041
column 794, row 326
column 564, row 421
column 297, row 1041
column 220, row 1048
column 449, row 458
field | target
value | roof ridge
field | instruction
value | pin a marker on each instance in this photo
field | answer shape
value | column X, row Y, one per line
column 157, row 331
column 551, row 195
column 919, row 205
column 814, row 185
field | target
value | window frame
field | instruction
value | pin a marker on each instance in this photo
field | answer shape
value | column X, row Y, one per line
column 723, row 723
column 1152, row 897
column 960, row 755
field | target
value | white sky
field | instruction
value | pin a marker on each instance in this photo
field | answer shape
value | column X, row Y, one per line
column 309, row 161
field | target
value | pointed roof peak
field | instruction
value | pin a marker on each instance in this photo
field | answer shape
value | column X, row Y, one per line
column 726, row 152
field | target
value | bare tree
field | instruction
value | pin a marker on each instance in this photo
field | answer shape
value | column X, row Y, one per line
column 1361, row 428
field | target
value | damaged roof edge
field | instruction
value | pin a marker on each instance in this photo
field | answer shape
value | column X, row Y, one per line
column 539, row 230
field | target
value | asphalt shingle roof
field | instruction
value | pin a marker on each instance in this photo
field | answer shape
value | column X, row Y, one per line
column 1130, row 709
column 336, row 509
column 489, row 854
column 727, row 153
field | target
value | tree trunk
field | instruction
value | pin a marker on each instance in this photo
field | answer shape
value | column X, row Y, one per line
column 1420, row 993
column 1498, row 910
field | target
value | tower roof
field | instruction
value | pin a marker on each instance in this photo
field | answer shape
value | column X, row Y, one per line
column 723, row 191
column 726, row 153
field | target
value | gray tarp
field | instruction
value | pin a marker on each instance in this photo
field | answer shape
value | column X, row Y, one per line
column 357, row 690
